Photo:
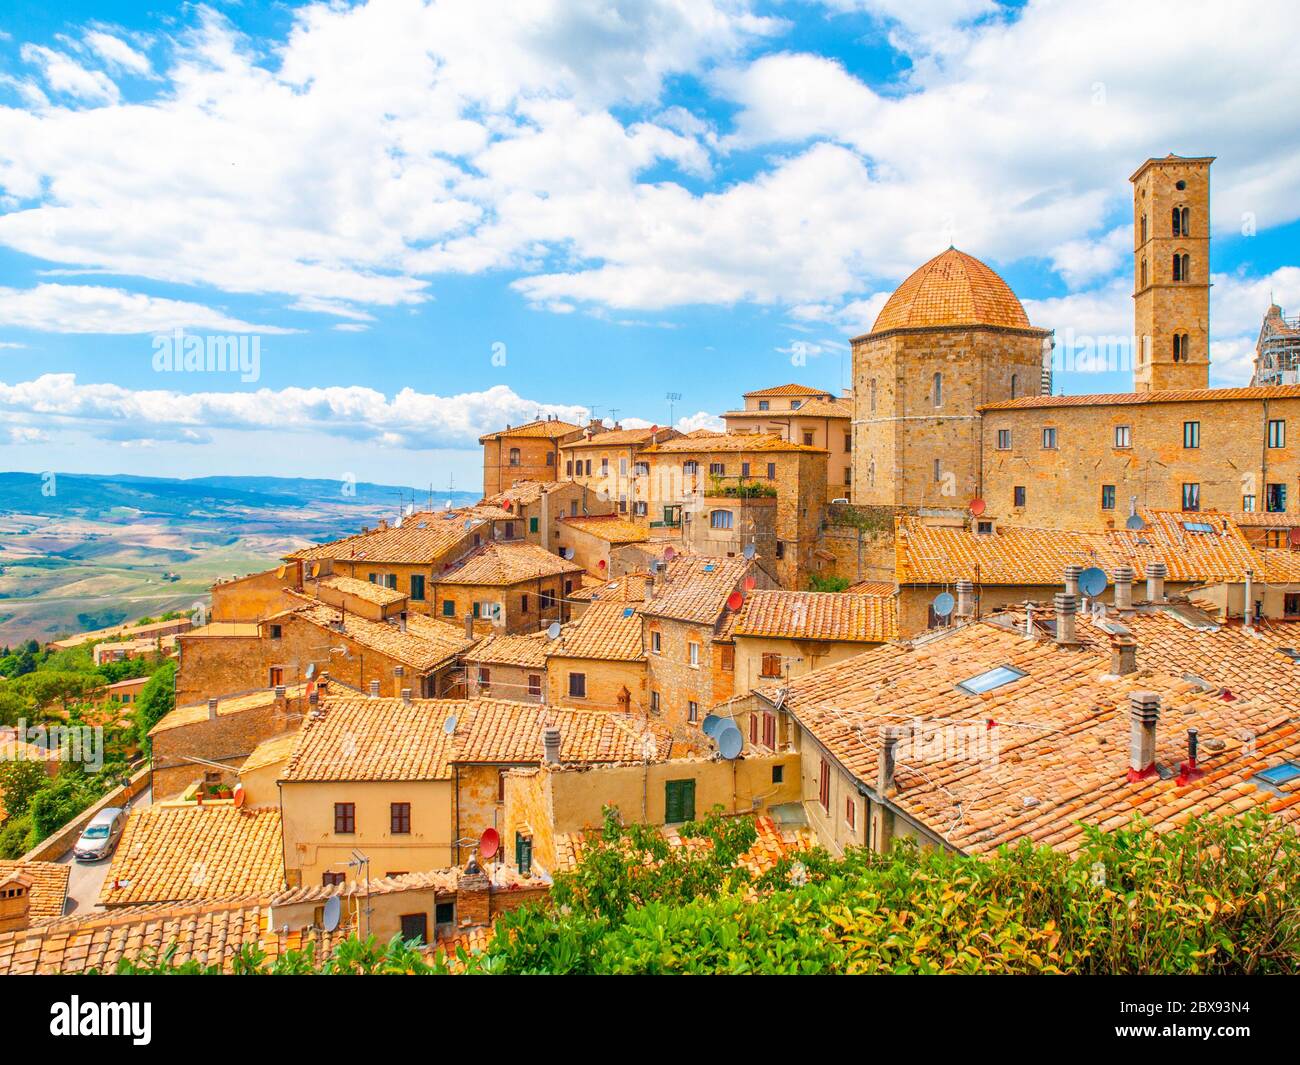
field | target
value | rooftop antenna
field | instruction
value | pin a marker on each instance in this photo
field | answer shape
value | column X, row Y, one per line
column 672, row 397
column 360, row 861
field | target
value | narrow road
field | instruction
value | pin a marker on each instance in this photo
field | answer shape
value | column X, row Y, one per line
column 85, row 880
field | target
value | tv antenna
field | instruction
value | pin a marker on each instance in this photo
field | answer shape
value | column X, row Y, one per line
column 672, row 397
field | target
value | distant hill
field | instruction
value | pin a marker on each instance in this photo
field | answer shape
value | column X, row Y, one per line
column 99, row 495
column 104, row 548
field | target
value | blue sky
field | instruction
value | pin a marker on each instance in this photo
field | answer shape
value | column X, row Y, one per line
column 626, row 199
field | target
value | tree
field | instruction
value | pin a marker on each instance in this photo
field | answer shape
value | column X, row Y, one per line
column 157, row 699
column 20, row 779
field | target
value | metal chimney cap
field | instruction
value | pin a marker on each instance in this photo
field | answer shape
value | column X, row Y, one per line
column 965, row 586
column 1067, row 603
column 1157, row 569
column 1123, row 572
column 1144, row 705
column 1073, row 570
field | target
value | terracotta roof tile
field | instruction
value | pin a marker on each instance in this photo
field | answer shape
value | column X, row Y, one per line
column 612, row 528
column 505, row 650
column 622, row 438
column 1170, row 395
column 607, row 631
column 367, row 590
column 506, row 564
column 952, row 289
column 192, row 713
column 350, row 738
column 696, row 589
column 48, row 886
column 426, row 644
column 187, row 852
column 843, row 616
column 787, row 390
column 424, row 537
column 729, row 442
column 547, row 429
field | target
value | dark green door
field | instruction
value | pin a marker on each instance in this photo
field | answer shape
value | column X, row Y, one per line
column 679, row 801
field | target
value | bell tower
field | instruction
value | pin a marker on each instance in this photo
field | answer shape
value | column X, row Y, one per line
column 1171, row 273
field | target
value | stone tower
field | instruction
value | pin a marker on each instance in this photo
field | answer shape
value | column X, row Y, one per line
column 951, row 337
column 1171, row 273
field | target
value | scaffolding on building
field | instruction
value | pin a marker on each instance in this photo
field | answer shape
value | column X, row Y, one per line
column 1277, row 353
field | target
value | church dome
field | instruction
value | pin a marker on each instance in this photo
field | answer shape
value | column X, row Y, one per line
column 952, row 289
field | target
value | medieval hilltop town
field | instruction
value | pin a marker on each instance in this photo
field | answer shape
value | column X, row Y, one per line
column 948, row 606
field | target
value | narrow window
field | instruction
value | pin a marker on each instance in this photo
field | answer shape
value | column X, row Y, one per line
column 1123, row 436
column 577, row 685
column 1276, row 432
column 399, row 816
column 692, row 711
column 824, row 786
column 1015, row 382
column 1049, row 439
column 938, row 390
column 1019, row 495
column 1191, row 497
column 771, row 665
column 1275, row 498
column 1191, row 434
column 1107, row 497
column 1004, row 439
column 345, row 818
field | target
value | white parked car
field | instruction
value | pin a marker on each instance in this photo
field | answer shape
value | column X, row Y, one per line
column 100, row 837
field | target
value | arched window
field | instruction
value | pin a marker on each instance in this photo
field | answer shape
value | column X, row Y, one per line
column 938, row 390
column 873, row 395
column 720, row 519
column 1182, row 347
column 1182, row 267
column 514, row 456
column 1015, row 381
column 1181, row 218
column 1144, row 230
column 1144, row 273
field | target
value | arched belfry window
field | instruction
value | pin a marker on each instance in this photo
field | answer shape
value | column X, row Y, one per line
column 1182, row 349
column 1144, row 273
column 938, row 390
column 1015, row 381
column 1144, row 230
column 1181, row 221
column 1182, row 267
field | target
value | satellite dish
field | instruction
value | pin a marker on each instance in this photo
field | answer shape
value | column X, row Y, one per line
column 750, row 583
column 1135, row 523
column 735, row 600
column 943, row 605
column 670, row 553
column 279, row 574
column 711, row 724
column 553, row 630
column 1092, row 582
column 730, row 741
column 566, row 553
column 489, row 843
column 449, row 726
column 446, row 504
column 240, row 796
column 469, row 523
column 749, row 551
column 315, row 568
column 977, row 507
column 333, row 913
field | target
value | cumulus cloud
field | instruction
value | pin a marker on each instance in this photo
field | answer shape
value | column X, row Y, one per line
column 59, row 308
column 407, row 419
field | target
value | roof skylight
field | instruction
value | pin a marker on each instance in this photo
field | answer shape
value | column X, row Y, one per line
column 990, row 680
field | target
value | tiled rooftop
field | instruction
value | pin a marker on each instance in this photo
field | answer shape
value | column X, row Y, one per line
column 547, row 429
column 494, row 731
column 506, row 564
column 426, row 644
column 608, row 631
column 696, row 589
column 425, row 537
column 1061, row 732
column 48, row 889
column 629, row 588
column 367, row 590
column 785, row 390
column 612, row 528
column 187, row 852
column 928, row 554
column 1170, row 395
column 528, row 651
column 843, row 616
column 270, row 752
column 191, row 713
column 623, row 438
column 952, row 289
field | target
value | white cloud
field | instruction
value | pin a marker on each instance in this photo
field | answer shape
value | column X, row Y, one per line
column 63, row 74
column 26, row 434
column 117, row 53
column 407, row 419
column 92, row 309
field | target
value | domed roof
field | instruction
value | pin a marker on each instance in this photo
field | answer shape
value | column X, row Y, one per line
column 951, row 289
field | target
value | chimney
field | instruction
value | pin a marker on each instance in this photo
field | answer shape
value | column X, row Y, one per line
column 1189, row 771
column 1248, row 604
column 16, row 900
column 279, row 693
column 401, row 621
column 889, row 737
column 1067, row 605
column 1123, row 655
column 406, row 696
column 469, row 625
column 212, row 709
column 313, row 700
column 1156, row 574
column 399, row 671
column 551, row 745
column 1144, row 712
column 965, row 599
column 1072, row 579
column 1123, row 578
column 374, row 689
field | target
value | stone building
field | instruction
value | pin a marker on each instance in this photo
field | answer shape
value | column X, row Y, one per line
column 599, row 661
column 952, row 337
column 529, row 452
column 1171, row 273
column 717, row 494
column 1277, row 351
column 604, row 461
column 803, row 415
column 517, row 587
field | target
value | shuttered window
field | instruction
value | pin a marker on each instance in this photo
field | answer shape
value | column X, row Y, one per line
column 824, row 786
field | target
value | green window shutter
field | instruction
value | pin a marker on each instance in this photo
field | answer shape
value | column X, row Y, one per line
column 448, row 608
column 679, row 801
column 532, row 525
